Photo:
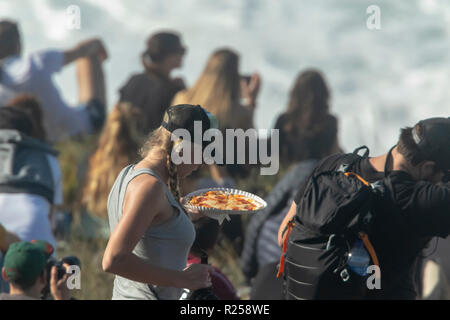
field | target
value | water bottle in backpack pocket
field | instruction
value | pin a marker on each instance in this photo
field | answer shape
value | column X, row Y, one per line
column 358, row 258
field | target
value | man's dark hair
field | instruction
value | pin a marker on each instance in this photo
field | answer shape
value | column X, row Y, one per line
column 162, row 44
column 408, row 148
column 15, row 119
column 428, row 140
column 22, row 285
column 9, row 38
column 30, row 105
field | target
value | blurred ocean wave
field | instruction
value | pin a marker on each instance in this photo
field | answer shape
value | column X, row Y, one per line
column 381, row 80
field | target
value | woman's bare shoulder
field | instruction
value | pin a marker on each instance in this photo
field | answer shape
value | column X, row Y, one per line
column 145, row 190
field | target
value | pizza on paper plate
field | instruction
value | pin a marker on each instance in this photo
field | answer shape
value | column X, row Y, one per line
column 225, row 201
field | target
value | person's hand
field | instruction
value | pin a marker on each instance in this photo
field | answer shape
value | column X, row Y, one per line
column 194, row 214
column 93, row 47
column 197, row 276
column 250, row 90
column 58, row 288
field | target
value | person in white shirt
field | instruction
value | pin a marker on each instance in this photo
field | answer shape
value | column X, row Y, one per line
column 33, row 75
column 33, row 187
column 30, row 177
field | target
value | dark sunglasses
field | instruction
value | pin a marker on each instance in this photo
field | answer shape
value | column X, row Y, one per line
column 181, row 51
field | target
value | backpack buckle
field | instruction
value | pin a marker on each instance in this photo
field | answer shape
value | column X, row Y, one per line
column 330, row 241
column 343, row 168
column 345, row 276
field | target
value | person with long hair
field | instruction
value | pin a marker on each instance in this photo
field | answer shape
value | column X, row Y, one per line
column 307, row 129
column 307, row 134
column 232, row 99
column 220, row 90
column 151, row 233
column 118, row 146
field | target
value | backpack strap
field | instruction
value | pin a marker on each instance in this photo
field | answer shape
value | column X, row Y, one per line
column 366, row 153
column 352, row 158
column 280, row 272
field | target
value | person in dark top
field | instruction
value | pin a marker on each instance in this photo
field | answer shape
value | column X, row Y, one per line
column 416, row 208
column 307, row 129
column 308, row 133
column 153, row 90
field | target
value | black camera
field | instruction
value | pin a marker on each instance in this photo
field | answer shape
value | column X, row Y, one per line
column 61, row 271
column 203, row 293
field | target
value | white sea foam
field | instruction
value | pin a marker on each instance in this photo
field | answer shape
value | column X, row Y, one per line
column 381, row 80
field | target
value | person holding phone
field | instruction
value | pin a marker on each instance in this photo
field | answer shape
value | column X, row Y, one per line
column 232, row 98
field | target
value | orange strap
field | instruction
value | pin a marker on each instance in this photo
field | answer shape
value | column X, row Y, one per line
column 348, row 174
column 365, row 239
column 290, row 225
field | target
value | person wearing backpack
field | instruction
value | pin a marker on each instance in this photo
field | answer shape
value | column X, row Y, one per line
column 355, row 211
column 30, row 178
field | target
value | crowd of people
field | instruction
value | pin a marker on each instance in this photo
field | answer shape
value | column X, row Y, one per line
column 156, row 245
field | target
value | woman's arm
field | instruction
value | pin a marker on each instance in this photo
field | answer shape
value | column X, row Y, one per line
column 290, row 214
column 143, row 201
column 85, row 49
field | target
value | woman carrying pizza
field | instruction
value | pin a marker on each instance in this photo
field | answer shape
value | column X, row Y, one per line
column 151, row 234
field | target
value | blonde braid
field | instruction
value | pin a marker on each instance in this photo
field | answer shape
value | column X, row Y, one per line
column 173, row 174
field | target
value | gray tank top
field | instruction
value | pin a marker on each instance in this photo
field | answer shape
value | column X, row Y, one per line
column 166, row 245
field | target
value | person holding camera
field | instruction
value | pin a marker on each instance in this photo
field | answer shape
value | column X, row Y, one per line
column 25, row 269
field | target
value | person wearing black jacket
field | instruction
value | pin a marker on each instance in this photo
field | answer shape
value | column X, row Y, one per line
column 416, row 174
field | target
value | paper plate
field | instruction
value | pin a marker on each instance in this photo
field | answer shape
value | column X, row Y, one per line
column 212, row 212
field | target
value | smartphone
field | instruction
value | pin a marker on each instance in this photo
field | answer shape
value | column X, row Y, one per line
column 246, row 78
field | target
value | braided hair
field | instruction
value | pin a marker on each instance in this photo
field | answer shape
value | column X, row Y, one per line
column 173, row 173
column 161, row 138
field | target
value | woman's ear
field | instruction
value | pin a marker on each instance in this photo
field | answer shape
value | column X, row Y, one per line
column 4, row 276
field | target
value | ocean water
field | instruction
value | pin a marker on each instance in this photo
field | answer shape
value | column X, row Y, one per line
column 381, row 80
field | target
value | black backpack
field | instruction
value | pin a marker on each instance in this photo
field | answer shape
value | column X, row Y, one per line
column 336, row 211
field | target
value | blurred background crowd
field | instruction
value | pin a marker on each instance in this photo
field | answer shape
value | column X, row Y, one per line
column 284, row 70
